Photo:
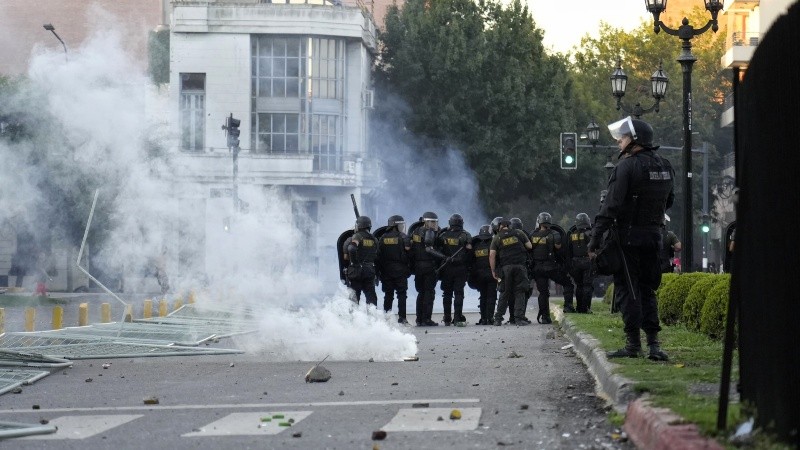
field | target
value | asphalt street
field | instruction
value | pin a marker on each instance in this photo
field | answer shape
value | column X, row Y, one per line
column 542, row 399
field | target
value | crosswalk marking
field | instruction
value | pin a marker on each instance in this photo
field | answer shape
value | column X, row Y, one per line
column 251, row 423
column 82, row 427
column 427, row 419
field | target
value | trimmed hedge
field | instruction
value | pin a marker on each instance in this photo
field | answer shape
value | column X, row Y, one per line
column 693, row 306
column 672, row 295
column 712, row 317
column 609, row 295
column 666, row 279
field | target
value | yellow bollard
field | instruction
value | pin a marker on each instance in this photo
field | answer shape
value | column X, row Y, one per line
column 58, row 317
column 191, row 298
column 128, row 316
column 148, row 309
column 30, row 318
column 2, row 320
column 105, row 313
column 83, row 314
column 178, row 303
column 162, row 308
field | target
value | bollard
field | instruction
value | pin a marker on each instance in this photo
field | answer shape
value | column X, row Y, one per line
column 30, row 319
column 162, row 308
column 2, row 320
column 147, row 313
column 105, row 313
column 178, row 303
column 128, row 316
column 58, row 317
column 191, row 298
column 83, row 314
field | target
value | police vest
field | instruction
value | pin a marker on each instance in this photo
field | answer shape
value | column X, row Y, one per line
column 543, row 243
column 418, row 245
column 652, row 182
column 579, row 243
column 480, row 248
column 511, row 247
column 392, row 245
column 367, row 250
column 451, row 241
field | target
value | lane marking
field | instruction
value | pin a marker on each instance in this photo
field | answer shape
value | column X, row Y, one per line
column 82, row 427
column 247, row 424
column 265, row 406
column 427, row 419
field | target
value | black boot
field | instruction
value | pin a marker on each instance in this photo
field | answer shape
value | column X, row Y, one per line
column 655, row 353
column 632, row 349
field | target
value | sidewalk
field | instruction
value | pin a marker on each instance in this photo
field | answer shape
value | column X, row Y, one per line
column 648, row 427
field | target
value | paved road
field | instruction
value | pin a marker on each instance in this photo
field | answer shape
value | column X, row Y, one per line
column 543, row 399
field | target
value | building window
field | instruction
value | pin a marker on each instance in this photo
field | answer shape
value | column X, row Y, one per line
column 327, row 68
column 326, row 142
column 278, row 133
column 192, row 111
column 277, row 65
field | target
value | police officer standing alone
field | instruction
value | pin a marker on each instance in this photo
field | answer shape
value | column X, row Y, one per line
column 455, row 244
column 423, row 261
column 639, row 191
column 507, row 258
column 393, row 248
column 581, row 266
column 545, row 242
column 362, row 251
column 481, row 278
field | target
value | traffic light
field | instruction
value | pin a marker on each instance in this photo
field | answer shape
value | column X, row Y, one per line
column 569, row 150
column 705, row 227
column 232, row 127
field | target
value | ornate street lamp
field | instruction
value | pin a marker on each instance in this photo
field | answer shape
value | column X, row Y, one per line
column 593, row 132
column 658, row 83
column 686, row 32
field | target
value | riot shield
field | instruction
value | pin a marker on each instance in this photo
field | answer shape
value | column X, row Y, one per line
column 340, row 253
column 727, row 262
column 379, row 232
column 562, row 254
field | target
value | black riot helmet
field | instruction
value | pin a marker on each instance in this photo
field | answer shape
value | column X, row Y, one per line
column 456, row 221
column 485, row 229
column 496, row 224
column 544, row 218
column 640, row 131
column 397, row 221
column 515, row 223
column 431, row 219
column 582, row 221
column 363, row 223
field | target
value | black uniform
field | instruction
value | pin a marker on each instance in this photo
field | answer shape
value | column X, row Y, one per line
column 581, row 268
column 546, row 268
column 362, row 249
column 450, row 242
column 424, row 264
column 394, row 270
column 481, row 278
column 640, row 189
column 511, row 259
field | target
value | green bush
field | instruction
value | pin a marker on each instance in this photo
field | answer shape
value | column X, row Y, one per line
column 666, row 279
column 672, row 296
column 693, row 305
column 609, row 295
column 712, row 317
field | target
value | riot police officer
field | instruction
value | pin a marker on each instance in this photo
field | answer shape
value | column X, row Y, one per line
column 516, row 224
column 424, row 261
column 480, row 276
column 362, row 250
column 546, row 267
column 454, row 243
column 394, row 246
column 639, row 190
column 507, row 258
column 581, row 266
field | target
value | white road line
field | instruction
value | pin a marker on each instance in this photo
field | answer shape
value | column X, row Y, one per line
column 82, row 427
column 266, row 406
column 427, row 419
column 245, row 424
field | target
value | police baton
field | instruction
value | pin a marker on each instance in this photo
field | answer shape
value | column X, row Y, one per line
column 624, row 264
column 449, row 259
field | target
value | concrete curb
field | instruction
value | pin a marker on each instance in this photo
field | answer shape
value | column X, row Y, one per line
column 648, row 427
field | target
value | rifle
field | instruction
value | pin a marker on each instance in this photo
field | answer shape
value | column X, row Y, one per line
column 449, row 259
column 355, row 206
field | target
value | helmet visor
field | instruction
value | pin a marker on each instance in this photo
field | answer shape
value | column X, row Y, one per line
column 432, row 223
column 621, row 128
column 401, row 226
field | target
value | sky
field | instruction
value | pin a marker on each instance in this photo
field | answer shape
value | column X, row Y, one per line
column 566, row 22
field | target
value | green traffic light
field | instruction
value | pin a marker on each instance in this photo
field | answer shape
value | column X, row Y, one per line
column 569, row 159
column 705, row 228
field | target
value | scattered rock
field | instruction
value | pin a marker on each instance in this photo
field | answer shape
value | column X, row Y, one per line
column 476, row 384
column 523, row 407
column 318, row 374
column 44, row 421
column 550, row 334
column 35, row 407
column 16, row 390
column 420, row 405
column 265, row 392
column 231, row 365
column 378, row 435
column 151, row 401
column 106, row 365
column 567, row 346
column 88, row 380
column 395, row 383
column 341, row 392
column 455, row 415
column 298, row 434
column 514, row 354
column 371, row 360
column 440, row 419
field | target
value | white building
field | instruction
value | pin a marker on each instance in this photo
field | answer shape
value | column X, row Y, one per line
column 297, row 75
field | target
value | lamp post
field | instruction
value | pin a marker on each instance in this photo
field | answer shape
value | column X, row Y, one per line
column 658, row 89
column 49, row 27
column 686, row 32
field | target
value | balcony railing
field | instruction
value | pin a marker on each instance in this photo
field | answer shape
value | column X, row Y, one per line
column 741, row 39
